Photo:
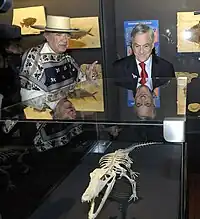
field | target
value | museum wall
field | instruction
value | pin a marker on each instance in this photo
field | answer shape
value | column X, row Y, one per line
column 73, row 8
column 166, row 13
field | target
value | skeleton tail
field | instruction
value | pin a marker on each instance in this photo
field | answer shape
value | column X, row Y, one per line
column 134, row 146
column 89, row 32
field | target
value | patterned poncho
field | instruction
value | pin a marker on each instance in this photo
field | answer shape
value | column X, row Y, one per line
column 46, row 77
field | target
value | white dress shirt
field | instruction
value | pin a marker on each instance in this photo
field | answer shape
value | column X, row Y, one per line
column 148, row 68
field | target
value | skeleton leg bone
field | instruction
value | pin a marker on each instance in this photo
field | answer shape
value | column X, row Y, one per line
column 133, row 186
column 133, row 174
column 134, row 195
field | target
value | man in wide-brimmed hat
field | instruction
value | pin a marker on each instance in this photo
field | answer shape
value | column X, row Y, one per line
column 47, row 74
column 47, row 69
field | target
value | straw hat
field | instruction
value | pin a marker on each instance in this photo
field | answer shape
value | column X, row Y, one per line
column 57, row 24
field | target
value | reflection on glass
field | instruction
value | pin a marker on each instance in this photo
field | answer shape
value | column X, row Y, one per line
column 64, row 110
column 144, row 103
column 168, row 36
column 156, row 99
column 181, row 95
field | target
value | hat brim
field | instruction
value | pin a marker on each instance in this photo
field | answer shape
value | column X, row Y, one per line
column 42, row 28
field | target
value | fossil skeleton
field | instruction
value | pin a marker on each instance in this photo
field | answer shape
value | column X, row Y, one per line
column 113, row 166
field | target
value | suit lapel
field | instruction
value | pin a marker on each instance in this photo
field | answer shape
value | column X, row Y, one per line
column 154, row 71
column 134, row 74
column 134, row 67
column 131, row 74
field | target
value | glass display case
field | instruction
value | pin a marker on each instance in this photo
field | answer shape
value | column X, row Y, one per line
column 47, row 157
column 143, row 177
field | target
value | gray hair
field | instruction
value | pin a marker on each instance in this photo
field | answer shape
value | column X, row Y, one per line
column 142, row 28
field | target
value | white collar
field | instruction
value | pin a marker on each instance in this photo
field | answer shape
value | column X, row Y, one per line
column 147, row 62
column 47, row 49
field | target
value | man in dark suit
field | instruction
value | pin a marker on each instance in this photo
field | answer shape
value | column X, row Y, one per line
column 142, row 69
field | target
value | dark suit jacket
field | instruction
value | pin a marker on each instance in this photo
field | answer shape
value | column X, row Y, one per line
column 126, row 72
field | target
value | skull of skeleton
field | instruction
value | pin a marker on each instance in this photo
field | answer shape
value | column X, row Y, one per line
column 98, row 180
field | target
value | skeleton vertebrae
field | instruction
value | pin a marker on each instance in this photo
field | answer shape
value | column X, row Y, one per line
column 112, row 165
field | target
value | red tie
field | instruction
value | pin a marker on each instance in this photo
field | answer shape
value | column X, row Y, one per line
column 143, row 74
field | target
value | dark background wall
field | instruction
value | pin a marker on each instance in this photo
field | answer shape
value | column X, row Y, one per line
column 165, row 12
column 75, row 8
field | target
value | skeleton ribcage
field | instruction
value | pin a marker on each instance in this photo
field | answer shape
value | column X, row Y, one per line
column 118, row 162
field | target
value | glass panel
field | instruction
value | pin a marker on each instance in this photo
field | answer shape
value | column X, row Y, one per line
column 56, row 156
column 158, row 168
column 56, row 160
column 134, row 103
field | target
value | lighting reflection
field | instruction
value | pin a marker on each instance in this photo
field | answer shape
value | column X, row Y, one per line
column 168, row 36
column 187, row 34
